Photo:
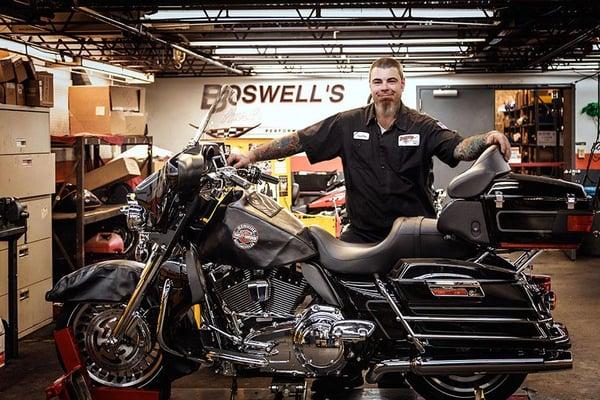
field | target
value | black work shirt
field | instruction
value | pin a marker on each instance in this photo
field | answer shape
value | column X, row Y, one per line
column 386, row 175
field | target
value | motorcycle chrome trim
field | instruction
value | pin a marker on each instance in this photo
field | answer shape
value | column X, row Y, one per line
column 265, row 346
column 259, row 290
column 161, row 323
column 150, row 271
column 474, row 319
column 441, row 367
column 353, row 330
column 399, row 317
column 236, row 357
column 480, row 337
column 472, row 288
column 529, row 256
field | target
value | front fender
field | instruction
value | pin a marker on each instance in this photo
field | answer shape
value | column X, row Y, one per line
column 106, row 281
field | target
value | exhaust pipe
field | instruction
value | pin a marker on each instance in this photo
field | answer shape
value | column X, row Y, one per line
column 444, row 367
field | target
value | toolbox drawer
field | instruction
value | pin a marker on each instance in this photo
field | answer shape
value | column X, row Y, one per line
column 26, row 175
column 24, row 132
column 34, row 310
column 34, row 264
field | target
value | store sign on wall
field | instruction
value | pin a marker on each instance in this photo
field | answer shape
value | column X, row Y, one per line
column 278, row 93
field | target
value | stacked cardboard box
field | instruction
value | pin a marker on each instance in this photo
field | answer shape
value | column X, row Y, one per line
column 20, row 84
column 107, row 110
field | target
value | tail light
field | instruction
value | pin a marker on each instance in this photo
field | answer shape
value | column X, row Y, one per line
column 544, row 283
column 580, row 223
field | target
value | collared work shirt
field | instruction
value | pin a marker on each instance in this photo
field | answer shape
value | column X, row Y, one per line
column 387, row 174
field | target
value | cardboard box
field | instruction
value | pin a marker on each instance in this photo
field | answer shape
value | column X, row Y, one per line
column 10, row 92
column 20, row 70
column 40, row 92
column 113, row 172
column 20, row 94
column 107, row 110
column 1, row 93
column 7, row 72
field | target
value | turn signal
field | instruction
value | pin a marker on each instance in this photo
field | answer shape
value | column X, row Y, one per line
column 580, row 223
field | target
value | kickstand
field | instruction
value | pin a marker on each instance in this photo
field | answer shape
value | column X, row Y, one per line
column 234, row 387
column 479, row 395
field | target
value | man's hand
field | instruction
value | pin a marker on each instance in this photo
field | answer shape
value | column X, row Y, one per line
column 240, row 160
column 495, row 137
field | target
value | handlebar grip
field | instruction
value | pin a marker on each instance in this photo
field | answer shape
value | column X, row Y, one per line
column 269, row 178
column 238, row 180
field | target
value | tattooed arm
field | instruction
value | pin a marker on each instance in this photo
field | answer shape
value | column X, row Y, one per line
column 279, row 148
column 472, row 147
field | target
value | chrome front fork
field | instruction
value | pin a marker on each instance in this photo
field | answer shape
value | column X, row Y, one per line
column 150, row 272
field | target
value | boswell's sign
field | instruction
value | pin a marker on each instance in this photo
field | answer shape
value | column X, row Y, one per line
column 278, row 93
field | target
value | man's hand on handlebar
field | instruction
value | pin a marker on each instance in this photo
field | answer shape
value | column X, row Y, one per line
column 240, row 160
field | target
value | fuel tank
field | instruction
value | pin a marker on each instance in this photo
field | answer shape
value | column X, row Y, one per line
column 255, row 231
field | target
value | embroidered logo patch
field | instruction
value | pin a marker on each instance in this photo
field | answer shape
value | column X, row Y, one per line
column 360, row 135
column 245, row 236
column 409, row 140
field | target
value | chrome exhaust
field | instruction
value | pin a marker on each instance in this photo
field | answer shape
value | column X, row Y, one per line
column 444, row 367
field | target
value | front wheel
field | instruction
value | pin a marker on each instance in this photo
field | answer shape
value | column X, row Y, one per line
column 462, row 387
column 136, row 362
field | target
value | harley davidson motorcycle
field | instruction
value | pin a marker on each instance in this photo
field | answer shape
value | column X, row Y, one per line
column 236, row 283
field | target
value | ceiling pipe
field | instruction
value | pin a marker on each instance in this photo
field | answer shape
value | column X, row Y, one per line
column 103, row 18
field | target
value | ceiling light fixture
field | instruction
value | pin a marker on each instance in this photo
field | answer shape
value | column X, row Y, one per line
column 26, row 49
column 403, row 50
column 332, row 42
column 130, row 75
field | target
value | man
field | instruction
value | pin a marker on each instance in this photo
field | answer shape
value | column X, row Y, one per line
column 386, row 150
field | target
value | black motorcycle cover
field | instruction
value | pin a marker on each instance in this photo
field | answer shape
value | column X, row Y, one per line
column 257, row 232
column 106, row 281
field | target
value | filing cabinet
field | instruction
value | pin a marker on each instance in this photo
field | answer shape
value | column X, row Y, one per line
column 28, row 173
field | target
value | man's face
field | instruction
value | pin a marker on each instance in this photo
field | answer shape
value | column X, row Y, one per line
column 386, row 86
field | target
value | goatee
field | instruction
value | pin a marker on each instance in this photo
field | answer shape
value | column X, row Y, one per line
column 387, row 108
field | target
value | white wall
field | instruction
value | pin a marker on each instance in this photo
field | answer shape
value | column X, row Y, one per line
column 175, row 102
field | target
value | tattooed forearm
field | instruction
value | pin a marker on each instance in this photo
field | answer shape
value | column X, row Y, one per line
column 279, row 148
column 470, row 148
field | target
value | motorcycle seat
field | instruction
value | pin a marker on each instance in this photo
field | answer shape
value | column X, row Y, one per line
column 412, row 237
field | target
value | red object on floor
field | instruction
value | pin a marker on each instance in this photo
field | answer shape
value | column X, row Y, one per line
column 105, row 243
column 76, row 385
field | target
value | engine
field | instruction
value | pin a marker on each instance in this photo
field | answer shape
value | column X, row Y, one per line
column 269, row 311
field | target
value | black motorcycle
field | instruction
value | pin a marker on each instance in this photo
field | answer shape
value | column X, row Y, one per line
column 434, row 302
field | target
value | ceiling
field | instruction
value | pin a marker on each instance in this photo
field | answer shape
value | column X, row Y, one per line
column 210, row 38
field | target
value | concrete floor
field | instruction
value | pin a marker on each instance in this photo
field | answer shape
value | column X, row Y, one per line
column 576, row 283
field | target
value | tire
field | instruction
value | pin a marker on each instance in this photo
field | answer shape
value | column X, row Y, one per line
column 139, row 362
column 461, row 387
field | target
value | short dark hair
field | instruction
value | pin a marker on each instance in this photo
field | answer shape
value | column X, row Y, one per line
column 387, row 62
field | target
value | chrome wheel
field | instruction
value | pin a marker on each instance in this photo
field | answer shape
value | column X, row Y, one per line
column 462, row 387
column 135, row 362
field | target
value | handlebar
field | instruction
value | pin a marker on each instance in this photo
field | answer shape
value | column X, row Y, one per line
column 246, row 177
column 269, row 178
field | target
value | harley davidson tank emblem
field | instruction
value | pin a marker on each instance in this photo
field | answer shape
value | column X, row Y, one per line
column 245, row 236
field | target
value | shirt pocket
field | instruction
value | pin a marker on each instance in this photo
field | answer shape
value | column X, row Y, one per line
column 406, row 154
column 361, row 154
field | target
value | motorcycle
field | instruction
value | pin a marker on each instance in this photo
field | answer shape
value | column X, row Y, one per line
column 435, row 301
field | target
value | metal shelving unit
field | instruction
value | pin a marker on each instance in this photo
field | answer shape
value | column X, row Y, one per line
column 83, row 147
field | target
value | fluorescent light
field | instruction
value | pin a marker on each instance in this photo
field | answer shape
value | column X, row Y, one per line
column 335, row 58
column 133, row 76
column 325, row 12
column 346, row 50
column 27, row 49
column 331, row 42
column 12, row 46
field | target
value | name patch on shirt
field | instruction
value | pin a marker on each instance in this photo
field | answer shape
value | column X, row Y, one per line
column 361, row 135
column 409, row 140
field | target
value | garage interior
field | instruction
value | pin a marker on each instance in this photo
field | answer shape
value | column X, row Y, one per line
column 95, row 96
